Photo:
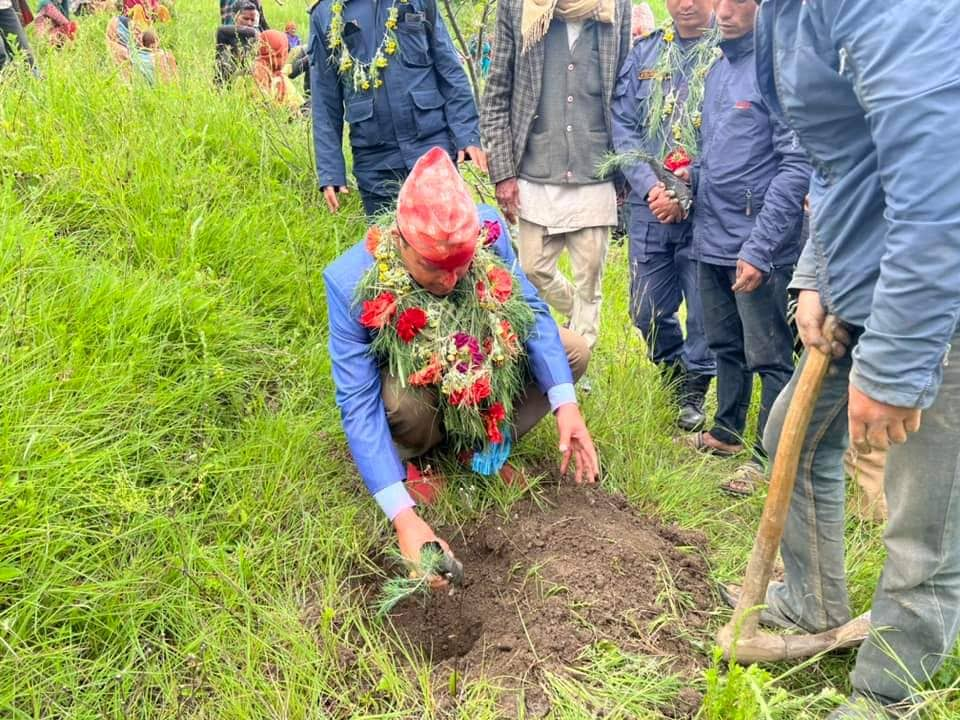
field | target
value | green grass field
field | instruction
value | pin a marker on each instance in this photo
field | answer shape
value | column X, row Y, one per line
column 179, row 518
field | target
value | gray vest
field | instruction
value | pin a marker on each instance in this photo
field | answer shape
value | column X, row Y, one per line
column 569, row 136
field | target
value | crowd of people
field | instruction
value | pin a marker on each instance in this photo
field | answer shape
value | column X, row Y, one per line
column 756, row 178
column 764, row 179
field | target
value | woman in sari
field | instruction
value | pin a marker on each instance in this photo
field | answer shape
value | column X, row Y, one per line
column 146, row 12
column 53, row 22
column 125, row 41
column 270, row 70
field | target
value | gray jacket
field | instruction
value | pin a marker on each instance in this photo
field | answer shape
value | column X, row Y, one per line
column 513, row 88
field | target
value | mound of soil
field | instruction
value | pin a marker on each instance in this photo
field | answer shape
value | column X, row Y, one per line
column 573, row 566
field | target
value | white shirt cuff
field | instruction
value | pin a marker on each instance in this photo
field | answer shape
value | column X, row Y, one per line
column 562, row 394
column 393, row 499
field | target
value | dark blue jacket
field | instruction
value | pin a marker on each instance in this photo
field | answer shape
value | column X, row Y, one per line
column 425, row 100
column 873, row 91
column 751, row 176
column 630, row 112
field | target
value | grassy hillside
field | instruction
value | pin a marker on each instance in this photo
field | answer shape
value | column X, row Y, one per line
column 179, row 519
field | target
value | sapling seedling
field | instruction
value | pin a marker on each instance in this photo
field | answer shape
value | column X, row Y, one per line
column 398, row 589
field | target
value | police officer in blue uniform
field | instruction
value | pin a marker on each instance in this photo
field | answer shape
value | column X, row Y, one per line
column 662, row 271
column 420, row 99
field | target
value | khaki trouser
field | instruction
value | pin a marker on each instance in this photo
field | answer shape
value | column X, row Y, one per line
column 415, row 421
column 868, row 470
column 580, row 301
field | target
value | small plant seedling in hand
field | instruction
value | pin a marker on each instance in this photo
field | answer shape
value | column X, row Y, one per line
column 398, row 589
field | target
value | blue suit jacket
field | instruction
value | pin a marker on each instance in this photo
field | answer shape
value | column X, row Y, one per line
column 356, row 372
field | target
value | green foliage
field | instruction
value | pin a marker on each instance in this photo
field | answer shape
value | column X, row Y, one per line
column 180, row 523
column 751, row 693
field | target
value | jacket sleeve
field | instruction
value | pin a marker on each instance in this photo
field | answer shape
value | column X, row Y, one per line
column 461, row 110
column 629, row 128
column 909, row 86
column 326, row 109
column 548, row 359
column 782, row 211
column 362, row 412
column 498, row 97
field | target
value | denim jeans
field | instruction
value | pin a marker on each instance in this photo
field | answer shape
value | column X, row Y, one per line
column 749, row 333
column 663, row 275
column 10, row 25
column 916, row 607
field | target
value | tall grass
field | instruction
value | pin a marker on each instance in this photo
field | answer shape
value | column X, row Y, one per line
column 179, row 521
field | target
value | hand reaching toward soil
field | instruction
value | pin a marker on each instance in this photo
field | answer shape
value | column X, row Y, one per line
column 412, row 534
column 575, row 442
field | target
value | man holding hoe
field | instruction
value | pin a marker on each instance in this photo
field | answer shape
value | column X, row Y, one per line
column 871, row 106
column 437, row 337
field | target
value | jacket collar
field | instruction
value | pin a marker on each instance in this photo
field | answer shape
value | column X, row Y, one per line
column 737, row 47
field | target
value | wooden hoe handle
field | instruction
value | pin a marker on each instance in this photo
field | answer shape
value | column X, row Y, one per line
column 743, row 624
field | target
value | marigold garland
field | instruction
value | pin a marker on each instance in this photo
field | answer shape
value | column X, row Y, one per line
column 675, row 64
column 363, row 75
column 468, row 345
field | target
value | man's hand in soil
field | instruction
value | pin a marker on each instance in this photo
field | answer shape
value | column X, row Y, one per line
column 811, row 315
column 874, row 425
column 412, row 534
column 666, row 209
column 749, row 278
column 508, row 197
column 576, row 443
column 330, row 195
column 475, row 155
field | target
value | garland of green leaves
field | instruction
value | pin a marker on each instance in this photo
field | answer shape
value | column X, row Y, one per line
column 684, row 117
column 363, row 75
column 468, row 345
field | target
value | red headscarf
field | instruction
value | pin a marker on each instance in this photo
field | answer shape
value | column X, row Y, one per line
column 271, row 57
column 435, row 213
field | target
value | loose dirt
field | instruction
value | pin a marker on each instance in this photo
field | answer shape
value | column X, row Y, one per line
column 573, row 567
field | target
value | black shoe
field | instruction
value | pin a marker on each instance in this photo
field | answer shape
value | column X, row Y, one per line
column 691, row 418
column 691, row 400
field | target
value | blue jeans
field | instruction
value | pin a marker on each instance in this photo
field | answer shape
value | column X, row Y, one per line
column 749, row 333
column 662, row 276
column 916, row 607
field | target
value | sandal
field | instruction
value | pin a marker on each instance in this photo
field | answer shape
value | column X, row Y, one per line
column 744, row 481
column 695, row 441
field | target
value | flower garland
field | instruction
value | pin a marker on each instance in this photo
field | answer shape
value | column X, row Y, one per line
column 363, row 75
column 468, row 345
column 674, row 65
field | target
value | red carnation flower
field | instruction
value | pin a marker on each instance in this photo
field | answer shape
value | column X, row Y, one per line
column 501, row 283
column 410, row 323
column 429, row 375
column 677, row 159
column 491, row 229
column 472, row 395
column 378, row 312
column 494, row 416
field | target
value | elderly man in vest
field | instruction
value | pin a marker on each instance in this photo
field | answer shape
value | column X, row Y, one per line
column 438, row 339
column 883, row 258
column 546, row 125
